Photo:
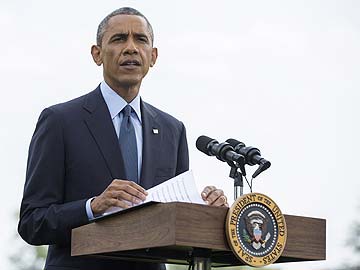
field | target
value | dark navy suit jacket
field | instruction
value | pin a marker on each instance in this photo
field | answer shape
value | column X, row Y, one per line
column 74, row 155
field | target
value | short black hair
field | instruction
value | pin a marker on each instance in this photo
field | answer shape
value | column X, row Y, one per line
column 121, row 11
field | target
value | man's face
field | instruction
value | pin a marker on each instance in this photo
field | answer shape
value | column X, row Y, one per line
column 126, row 51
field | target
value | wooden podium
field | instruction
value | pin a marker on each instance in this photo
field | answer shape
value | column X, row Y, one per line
column 175, row 232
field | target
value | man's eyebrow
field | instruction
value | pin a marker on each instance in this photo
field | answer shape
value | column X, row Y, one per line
column 125, row 35
column 141, row 35
column 121, row 34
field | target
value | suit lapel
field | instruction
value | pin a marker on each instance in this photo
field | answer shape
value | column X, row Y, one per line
column 152, row 135
column 102, row 129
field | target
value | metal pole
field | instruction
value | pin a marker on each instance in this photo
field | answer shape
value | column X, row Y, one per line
column 238, row 191
column 201, row 263
column 201, row 259
column 238, row 183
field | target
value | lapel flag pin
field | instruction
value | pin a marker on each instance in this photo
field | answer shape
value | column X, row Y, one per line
column 155, row 131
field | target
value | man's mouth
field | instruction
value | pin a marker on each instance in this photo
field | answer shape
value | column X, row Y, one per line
column 130, row 63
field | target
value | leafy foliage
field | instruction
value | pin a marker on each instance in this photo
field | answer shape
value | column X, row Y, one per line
column 354, row 242
column 246, row 236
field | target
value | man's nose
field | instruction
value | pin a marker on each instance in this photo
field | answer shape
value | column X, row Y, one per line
column 130, row 47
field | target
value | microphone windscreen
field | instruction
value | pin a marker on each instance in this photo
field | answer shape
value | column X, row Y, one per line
column 202, row 144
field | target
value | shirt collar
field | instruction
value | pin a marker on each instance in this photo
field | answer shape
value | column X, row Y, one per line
column 116, row 103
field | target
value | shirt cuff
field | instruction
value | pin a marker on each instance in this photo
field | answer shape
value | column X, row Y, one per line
column 89, row 212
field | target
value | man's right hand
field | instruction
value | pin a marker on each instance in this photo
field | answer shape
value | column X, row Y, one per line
column 120, row 193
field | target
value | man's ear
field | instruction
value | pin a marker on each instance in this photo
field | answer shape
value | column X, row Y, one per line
column 96, row 54
column 154, row 55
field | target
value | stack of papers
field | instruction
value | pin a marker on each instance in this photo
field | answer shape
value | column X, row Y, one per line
column 181, row 188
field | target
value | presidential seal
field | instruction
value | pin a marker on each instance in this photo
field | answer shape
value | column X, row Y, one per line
column 256, row 229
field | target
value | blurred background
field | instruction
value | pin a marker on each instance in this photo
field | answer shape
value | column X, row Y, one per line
column 282, row 76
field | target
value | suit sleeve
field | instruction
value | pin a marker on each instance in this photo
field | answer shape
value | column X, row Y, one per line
column 183, row 153
column 44, row 216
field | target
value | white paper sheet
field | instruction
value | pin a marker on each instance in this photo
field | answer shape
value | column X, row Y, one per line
column 181, row 188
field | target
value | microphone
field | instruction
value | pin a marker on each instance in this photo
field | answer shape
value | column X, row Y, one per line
column 251, row 154
column 223, row 151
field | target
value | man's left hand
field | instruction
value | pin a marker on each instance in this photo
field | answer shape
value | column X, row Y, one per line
column 213, row 196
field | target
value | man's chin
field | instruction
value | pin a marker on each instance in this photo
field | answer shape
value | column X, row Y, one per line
column 129, row 82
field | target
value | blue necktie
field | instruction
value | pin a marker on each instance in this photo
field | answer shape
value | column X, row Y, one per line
column 127, row 141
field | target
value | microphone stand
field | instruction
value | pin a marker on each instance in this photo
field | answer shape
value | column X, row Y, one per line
column 238, row 175
column 238, row 182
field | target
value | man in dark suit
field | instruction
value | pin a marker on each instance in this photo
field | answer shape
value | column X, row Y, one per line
column 78, row 157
